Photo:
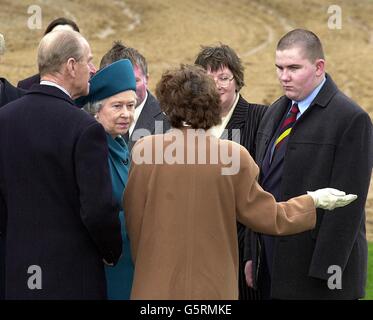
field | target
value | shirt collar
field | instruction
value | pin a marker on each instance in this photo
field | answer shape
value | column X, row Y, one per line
column 53, row 84
column 137, row 113
column 305, row 103
column 217, row 130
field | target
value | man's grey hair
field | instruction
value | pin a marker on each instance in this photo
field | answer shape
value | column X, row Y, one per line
column 57, row 47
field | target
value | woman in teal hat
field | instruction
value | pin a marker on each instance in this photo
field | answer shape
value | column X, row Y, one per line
column 112, row 101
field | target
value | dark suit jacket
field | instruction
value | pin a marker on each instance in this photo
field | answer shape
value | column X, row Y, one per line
column 329, row 146
column 151, row 118
column 8, row 92
column 55, row 190
column 27, row 83
column 245, row 118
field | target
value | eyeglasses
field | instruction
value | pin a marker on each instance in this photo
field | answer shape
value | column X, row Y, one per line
column 223, row 80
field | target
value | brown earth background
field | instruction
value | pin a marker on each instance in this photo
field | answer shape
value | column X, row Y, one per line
column 170, row 32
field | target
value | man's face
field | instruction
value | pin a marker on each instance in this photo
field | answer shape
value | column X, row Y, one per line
column 141, row 84
column 298, row 75
column 84, row 70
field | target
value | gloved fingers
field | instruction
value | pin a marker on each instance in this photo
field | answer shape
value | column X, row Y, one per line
column 336, row 192
column 345, row 200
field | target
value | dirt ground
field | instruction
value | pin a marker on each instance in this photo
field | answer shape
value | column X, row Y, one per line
column 169, row 32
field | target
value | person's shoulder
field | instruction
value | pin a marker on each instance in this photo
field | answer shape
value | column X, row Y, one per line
column 146, row 140
column 233, row 146
column 28, row 82
column 152, row 102
column 349, row 106
column 242, row 101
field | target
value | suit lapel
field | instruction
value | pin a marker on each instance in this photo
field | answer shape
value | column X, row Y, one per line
column 146, row 118
column 237, row 121
column 270, row 127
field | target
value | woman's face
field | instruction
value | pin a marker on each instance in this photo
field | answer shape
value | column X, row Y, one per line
column 116, row 114
column 226, row 85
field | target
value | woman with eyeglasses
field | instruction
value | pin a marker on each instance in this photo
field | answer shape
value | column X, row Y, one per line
column 238, row 116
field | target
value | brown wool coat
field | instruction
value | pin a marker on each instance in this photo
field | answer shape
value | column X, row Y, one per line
column 181, row 221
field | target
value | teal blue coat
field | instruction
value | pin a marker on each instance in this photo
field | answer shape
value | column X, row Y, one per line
column 119, row 278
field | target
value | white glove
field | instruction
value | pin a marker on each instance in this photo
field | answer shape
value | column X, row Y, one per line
column 329, row 198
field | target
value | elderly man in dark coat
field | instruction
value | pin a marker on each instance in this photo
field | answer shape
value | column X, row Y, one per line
column 55, row 188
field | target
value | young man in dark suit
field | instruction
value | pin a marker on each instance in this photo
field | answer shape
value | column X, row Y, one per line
column 313, row 136
column 148, row 118
column 55, row 189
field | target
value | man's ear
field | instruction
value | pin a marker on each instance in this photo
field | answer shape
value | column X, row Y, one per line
column 71, row 67
column 320, row 67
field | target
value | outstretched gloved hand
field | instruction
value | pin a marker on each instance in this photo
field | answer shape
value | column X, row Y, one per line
column 329, row 198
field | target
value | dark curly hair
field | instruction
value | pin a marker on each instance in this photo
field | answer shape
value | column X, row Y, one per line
column 221, row 56
column 189, row 95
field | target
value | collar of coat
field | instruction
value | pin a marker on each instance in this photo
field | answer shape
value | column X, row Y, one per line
column 50, row 91
column 322, row 99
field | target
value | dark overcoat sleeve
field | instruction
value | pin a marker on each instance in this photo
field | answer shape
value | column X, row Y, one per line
column 98, row 210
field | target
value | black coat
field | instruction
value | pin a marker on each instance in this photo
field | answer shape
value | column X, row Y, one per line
column 246, row 118
column 9, row 93
column 330, row 146
column 27, row 83
column 151, row 118
column 55, row 191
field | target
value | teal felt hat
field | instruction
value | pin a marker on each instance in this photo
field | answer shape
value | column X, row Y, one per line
column 114, row 78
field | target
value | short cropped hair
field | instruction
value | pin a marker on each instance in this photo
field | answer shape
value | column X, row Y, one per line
column 189, row 95
column 306, row 40
column 120, row 51
column 221, row 56
column 61, row 21
column 57, row 47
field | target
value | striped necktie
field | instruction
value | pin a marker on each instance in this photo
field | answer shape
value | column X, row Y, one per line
column 286, row 127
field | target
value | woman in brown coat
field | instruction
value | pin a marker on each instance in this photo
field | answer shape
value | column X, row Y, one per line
column 185, row 192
